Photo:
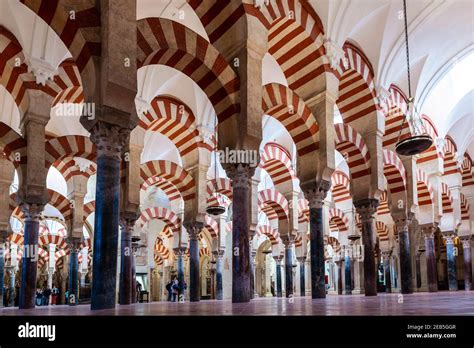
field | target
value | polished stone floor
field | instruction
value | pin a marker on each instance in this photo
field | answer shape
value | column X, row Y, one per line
column 441, row 303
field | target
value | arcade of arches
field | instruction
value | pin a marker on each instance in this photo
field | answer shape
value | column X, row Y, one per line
column 112, row 113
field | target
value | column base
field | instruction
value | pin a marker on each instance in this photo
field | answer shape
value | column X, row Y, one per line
column 360, row 291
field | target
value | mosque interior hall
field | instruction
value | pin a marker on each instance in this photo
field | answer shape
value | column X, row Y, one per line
column 256, row 157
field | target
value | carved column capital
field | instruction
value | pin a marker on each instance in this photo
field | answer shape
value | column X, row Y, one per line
column 301, row 259
column 74, row 244
column 109, row 139
column 277, row 259
column 449, row 237
column 218, row 254
column 466, row 242
column 366, row 208
column 428, row 231
column 316, row 196
column 240, row 174
column 288, row 240
column 194, row 228
column 32, row 211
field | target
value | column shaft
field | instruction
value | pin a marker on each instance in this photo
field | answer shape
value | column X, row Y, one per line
column 289, row 270
column 452, row 274
column 2, row 272
column 387, row 273
column 405, row 261
column 467, row 264
column 431, row 268
column 347, row 275
column 126, row 274
column 316, row 230
column 219, row 287
column 278, row 280
column 302, row 278
column 30, row 260
column 73, row 279
column 194, row 279
column 180, row 270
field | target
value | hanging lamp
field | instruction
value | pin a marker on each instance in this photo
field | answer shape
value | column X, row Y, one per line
column 420, row 141
column 218, row 209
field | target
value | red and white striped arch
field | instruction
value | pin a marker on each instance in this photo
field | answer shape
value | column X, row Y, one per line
column 467, row 171
column 450, row 152
column 276, row 161
column 270, row 232
column 340, row 186
column 447, row 199
column 161, row 249
column 338, row 221
column 78, row 33
column 220, row 185
column 273, row 203
column 382, row 231
column 16, row 238
column 88, row 208
column 394, row 116
column 433, row 152
column 174, row 174
column 425, row 191
column 163, row 214
column 59, row 241
column 383, row 209
column 295, row 40
column 176, row 121
column 204, row 251
column 184, row 50
column 333, row 242
column 69, row 168
column 281, row 103
column 69, row 146
column 357, row 98
column 303, row 210
column 212, row 226
column 14, row 147
column 394, row 172
column 352, row 147
column 464, row 207
column 61, row 203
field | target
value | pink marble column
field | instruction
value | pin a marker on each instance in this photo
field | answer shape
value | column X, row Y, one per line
column 466, row 245
column 431, row 268
column 406, row 271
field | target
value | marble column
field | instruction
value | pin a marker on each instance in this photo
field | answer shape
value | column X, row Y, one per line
column 109, row 141
column 134, row 275
column 406, row 271
column 302, row 261
column 288, row 243
column 366, row 208
column 3, row 236
column 194, row 279
column 219, row 267
column 253, row 253
column 73, row 287
column 466, row 245
column 180, row 271
column 240, row 174
column 11, row 286
column 126, row 256
column 29, row 265
column 316, row 232
column 347, row 274
column 431, row 268
column 279, row 288
column 339, row 265
column 451, row 261
column 387, row 272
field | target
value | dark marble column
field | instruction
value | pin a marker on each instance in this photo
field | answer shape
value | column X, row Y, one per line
column 126, row 259
column 316, row 231
column 240, row 174
column 366, row 208
column 339, row 277
column 3, row 236
column 387, row 272
column 73, row 286
column 431, row 268
column 109, row 141
column 347, row 273
column 11, row 285
column 466, row 245
column 289, row 243
column 279, row 287
column 302, row 261
column 180, row 265
column 451, row 258
column 194, row 229
column 253, row 253
column 219, row 267
column 406, row 271
column 29, row 265
column 133, row 280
